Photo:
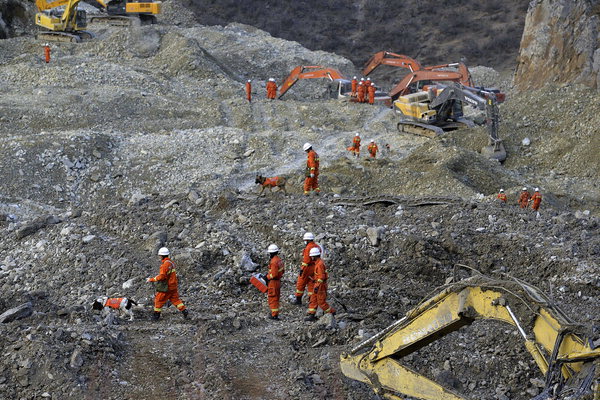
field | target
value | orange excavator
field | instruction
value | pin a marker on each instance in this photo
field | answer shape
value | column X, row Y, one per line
column 341, row 87
column 309, row 72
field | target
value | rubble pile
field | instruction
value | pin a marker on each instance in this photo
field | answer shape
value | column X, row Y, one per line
column 142, row 138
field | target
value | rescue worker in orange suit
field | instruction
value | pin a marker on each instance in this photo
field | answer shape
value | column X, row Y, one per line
column 524, row 198
column 312, row 170
column 47, row 53
column 319, row 299
column 536, row 199
column 360, row 95
column 307, row 269
column 249, row 90
column 167, row 273
column 271, row 89
column 354, row 86
column 273, row 277
column 371, row 93
column 502, row 196
column 355, row 148
column 372, row 148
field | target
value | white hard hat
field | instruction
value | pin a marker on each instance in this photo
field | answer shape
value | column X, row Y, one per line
column 354, row 78
column 360, row 83
column 163, row 251
column 362, row 79
column 249, row 80
column 315, row 251
column 271, row 80
column 537, row 189
column 308, row 236
column 524, row 189
column 368, row 79
column 273, row 248
column 501, row 190
column 306, row 146
column 372, row 140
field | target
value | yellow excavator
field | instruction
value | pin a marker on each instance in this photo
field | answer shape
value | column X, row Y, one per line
column 64, row 26
column 563, row 350
column 125, row 12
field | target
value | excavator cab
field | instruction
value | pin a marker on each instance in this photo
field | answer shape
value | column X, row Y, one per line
column 340, row 89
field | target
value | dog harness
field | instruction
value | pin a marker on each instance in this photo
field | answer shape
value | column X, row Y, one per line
column 271, row 181
column 114, row 302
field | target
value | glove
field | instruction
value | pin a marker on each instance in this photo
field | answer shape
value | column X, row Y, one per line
column 312, row 175
column 148, row 279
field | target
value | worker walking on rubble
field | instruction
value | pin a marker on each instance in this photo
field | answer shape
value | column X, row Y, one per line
column 311, row 183
column 166, row 286
column 319, row 299
column 502, row 196
column 371, row 93
column 271, row 89
column 536, row 199
column 249, row 90
column 355, row 148
column 372, row 149
column 360, row 95
column 47, row 53
column 273, row 277
column 307, row 269
column 524, row 198
column 354, row 86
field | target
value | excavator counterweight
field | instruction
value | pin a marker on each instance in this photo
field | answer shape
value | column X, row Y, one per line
column 559, row 346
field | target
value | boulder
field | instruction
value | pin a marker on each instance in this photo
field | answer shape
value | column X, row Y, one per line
column 374, row 235
column 20, row 312
column 246, row 263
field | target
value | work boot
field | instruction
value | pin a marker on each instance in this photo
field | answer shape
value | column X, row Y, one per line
column 298, row 301
column 155, row 316
column 310, row 318
column 275, row 317
column 186, row 314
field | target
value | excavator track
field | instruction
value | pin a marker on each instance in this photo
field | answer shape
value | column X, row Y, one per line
column 419, row 129
column 395, row 200
column 114, row 20
column 77, row 37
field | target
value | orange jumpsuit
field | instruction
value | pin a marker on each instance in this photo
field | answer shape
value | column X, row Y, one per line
column 47, row 53
column 361, row 93
column 536, row 200
column 355, row 148
column 524, row 199
column 276, row 270
column 502, row 196
column 307, row 270
column 249, row 91
column 272, row 182
column 167, row 271
column 312, row 167
column 271, row 90
column 373, row 149
column 354, row 87
column 371, row 92
column 319, row 299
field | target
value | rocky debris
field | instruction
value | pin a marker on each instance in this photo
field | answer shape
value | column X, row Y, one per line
column 20, row 312
column 35, row 225
column 374, row 235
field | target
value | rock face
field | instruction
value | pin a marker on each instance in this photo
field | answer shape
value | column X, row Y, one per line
column 559, row 44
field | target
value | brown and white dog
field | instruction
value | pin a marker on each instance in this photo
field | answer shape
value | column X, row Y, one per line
column 122, row 304
column 270, row 183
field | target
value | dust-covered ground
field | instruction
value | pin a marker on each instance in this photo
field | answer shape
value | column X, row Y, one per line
column 143, row 138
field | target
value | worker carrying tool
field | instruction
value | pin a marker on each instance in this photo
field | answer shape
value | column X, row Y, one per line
column 271, row 89
column 47, row 53
column 319, row 299
column 354, row 86
column 273, row 278
column 371, row 93
column 355, row 148
column 249, row 90
column 502, row 196
column 536, row 199
column 307, row 269
column 311, row 183
column 361, row 91
column 524, row 198
column 166, row 286
column 372, row 148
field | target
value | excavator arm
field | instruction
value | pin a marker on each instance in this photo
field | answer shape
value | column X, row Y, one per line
column 308, row 72
column 389, row 58
column 558, row 346
column 465, row 80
